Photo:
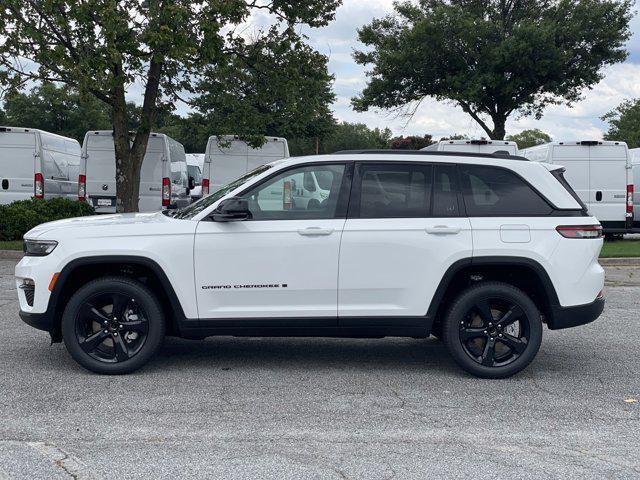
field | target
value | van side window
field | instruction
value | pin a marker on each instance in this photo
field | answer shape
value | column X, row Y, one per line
column 297, row 194
column 493, row 192
column 394, row 191
column 445, row 191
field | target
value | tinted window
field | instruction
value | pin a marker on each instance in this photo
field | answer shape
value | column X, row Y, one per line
column 445, row 191
column 491, row 192
column 394, row 191
column 298, row 194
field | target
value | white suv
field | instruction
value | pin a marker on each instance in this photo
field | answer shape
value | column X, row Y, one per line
column 480, row 250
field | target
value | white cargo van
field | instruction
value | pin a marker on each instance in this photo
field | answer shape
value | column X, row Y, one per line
column 635, row 168
column 599, row 172
column 163, row 176
column 228, row 158
column 35, row 163
column 195, row 162
column 474, row 146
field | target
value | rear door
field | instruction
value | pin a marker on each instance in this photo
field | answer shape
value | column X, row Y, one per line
column 608, row 183
column 404, row 229
column 16, row 165
column 100, row 170
column 155, row 166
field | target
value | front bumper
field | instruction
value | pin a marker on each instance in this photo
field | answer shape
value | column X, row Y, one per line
column 41, row 321
column 567, row 317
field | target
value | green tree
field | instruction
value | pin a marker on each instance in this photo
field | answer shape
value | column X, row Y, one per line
column 493, row 58
column 343, row 136
column 279, row 87
column 624, row 123
column 456, row 136
column 60, row 110
column 529, row 138
column 411, row 142
column 100, row 48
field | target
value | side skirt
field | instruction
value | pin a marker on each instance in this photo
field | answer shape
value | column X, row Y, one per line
column 350, row 327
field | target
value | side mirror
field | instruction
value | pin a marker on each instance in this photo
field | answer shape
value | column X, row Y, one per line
column 232, row 210
column 192, row 183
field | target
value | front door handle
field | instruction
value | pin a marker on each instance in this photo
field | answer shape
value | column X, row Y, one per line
column 312, row 231
column 443, row 230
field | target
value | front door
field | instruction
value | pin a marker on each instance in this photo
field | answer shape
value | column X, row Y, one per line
column 283, row 262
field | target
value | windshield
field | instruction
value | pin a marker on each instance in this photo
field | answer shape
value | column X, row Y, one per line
column 194, row 171
column 197, row 207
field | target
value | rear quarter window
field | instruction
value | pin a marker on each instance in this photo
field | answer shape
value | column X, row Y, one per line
column 494, row 192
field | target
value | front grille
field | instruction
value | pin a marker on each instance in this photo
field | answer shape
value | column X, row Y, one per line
column 29, row 292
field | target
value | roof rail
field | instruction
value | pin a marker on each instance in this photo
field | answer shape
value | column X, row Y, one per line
column 503, row 154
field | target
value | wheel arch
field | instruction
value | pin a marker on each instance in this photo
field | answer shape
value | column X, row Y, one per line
column 522, row 272
column 79, row 271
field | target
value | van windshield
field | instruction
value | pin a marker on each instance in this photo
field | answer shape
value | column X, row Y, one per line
column 197, row 207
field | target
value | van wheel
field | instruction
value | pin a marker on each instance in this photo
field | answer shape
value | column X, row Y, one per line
column 493, row 330
column 113, row 325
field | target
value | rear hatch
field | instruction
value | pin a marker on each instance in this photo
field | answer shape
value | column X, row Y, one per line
column 101, row 173
column 16, row 165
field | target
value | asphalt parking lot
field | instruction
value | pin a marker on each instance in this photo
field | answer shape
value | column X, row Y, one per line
column 325, row 408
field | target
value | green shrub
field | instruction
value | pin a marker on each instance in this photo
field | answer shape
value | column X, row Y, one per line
column 18, row 218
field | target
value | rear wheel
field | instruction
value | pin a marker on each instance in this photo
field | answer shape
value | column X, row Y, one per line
column 113, row 325
column 493, row 330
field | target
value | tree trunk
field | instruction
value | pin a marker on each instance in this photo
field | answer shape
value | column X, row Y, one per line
column 130, row 152
column 127, row 163
column 498, row 132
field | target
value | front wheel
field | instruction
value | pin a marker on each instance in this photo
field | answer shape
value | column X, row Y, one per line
column 493, row 330
column 113, row 325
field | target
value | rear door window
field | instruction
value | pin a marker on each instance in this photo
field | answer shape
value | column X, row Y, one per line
column 495, row 192
column 393, row 191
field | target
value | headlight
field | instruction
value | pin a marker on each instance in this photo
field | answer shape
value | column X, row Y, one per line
column 39, row 248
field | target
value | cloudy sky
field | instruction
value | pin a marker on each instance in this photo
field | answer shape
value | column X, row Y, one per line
column 338, row 40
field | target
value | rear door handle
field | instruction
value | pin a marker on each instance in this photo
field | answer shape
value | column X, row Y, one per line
column 443, row 230
column 312, row 231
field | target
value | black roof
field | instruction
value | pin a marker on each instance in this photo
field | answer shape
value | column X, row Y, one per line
column 502, row 154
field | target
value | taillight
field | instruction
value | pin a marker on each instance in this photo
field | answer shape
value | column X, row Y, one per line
column 286, row 197
column 205, row 187
column 580, row 231
column 82, row 188
column 38, row 186
column 629, row 200
column 166, row 192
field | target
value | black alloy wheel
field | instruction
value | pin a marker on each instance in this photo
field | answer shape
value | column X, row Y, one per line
column 113, row 325
column 493, row 330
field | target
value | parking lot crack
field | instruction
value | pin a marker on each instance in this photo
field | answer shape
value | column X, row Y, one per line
column 63, row 460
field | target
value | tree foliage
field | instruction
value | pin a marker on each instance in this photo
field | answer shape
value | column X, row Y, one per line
column 60, row 110
column 102, row 48
column 529, row 138
column 279, row 87
column 411, row 142
column 342, row 136
column 624, row 123
column 493, row 58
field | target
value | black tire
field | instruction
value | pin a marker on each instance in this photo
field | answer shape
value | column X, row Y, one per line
column 494, row 342
column 113, row 325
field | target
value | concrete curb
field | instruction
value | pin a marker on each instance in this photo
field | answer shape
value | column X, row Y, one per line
column 620, row 262
column 11, row 254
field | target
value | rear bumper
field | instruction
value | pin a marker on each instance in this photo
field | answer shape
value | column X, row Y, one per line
column 567, row 317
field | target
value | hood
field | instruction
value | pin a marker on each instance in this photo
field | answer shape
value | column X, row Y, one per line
column 70, row 224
